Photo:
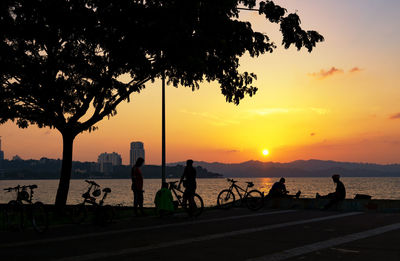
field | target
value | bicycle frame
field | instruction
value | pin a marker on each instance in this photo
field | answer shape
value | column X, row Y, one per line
column 174, row 189
column 252, row 198
column 101, row 202
column 34, row 212
column 92, row 200
column 194, row 206
column 89, row 199
column 20, row 189
column 237, row 188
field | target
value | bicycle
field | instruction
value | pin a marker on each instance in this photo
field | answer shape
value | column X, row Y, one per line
column 254, row 199
column 103, row 214
column 197, row 207
column 16, row 212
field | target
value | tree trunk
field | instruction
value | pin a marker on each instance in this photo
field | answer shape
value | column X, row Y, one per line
column 66, row 167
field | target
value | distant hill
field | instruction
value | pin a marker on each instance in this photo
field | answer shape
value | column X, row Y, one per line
column 299, row 168
column 50, row 169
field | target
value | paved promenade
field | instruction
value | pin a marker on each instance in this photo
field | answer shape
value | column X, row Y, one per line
column 236, row 234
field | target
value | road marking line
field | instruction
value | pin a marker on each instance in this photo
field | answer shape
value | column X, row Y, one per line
column 298, row 251
column 126, row 251
column 106, row 233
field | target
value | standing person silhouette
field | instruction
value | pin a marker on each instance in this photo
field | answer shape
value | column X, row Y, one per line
column 137, row 186
column 189, row 182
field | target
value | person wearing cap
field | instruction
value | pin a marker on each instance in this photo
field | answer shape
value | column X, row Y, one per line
column 189, row 182
column 278, row 189
column 338, row 195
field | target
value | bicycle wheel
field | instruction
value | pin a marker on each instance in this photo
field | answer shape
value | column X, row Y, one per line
column 104, row 215
column 39, row 217
column 225, row 199
column 238, row 202
column 3, row 219
column 197, row 206
column 254, row 200
column 78, row 213
column 14, row 219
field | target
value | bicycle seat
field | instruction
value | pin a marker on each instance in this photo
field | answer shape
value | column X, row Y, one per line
column 32, row 186
column 250, row 184
column 106, row 190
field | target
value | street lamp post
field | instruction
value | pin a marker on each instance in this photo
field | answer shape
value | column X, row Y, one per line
column 163, row 129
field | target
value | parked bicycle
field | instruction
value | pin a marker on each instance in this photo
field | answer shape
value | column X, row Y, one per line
column 253, row 199
column 16, row 213
column 198, row 205
column 103, row 214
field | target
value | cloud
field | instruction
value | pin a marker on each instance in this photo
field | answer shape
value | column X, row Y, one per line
column 324, row 74
column 354, row 70
column 320, row 111
column 395, row 116
column 270, row 111
column 332, row 71
column 214, row 119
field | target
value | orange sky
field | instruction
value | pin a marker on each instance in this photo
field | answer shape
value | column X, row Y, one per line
column 340, row 102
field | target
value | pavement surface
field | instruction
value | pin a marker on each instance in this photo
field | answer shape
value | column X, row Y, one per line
column 236, row 234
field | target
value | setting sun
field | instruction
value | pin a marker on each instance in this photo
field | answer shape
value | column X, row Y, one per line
column 265, row 152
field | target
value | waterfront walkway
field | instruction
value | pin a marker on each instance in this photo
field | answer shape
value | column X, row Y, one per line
column 236, row 234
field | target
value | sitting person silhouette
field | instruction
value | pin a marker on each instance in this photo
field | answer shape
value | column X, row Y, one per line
column 338, row 195
column 278, row 190
column 164, row 201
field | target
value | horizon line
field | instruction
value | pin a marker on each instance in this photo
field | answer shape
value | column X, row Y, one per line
column 228, row 163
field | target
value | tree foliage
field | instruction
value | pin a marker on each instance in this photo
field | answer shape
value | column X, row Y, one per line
column 63, row 61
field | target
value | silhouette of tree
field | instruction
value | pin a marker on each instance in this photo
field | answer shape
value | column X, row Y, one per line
column 63, row 61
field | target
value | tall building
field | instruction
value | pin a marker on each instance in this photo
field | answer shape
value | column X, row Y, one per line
column 137, row 150
column 1, row 152
column 108, row 160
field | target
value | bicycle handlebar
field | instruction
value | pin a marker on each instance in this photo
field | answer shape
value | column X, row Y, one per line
column 172, row 182
column 92, row 183
column 232, row 180
column 13, row 188
column 21, row 187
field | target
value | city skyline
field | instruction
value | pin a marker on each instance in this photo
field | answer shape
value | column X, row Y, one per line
column 337, row 103
column 136, row 151
column 107, row 161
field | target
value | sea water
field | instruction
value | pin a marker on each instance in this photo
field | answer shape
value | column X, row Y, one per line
column 208, row 189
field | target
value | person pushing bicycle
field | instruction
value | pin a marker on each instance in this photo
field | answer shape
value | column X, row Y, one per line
column 188, row 180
